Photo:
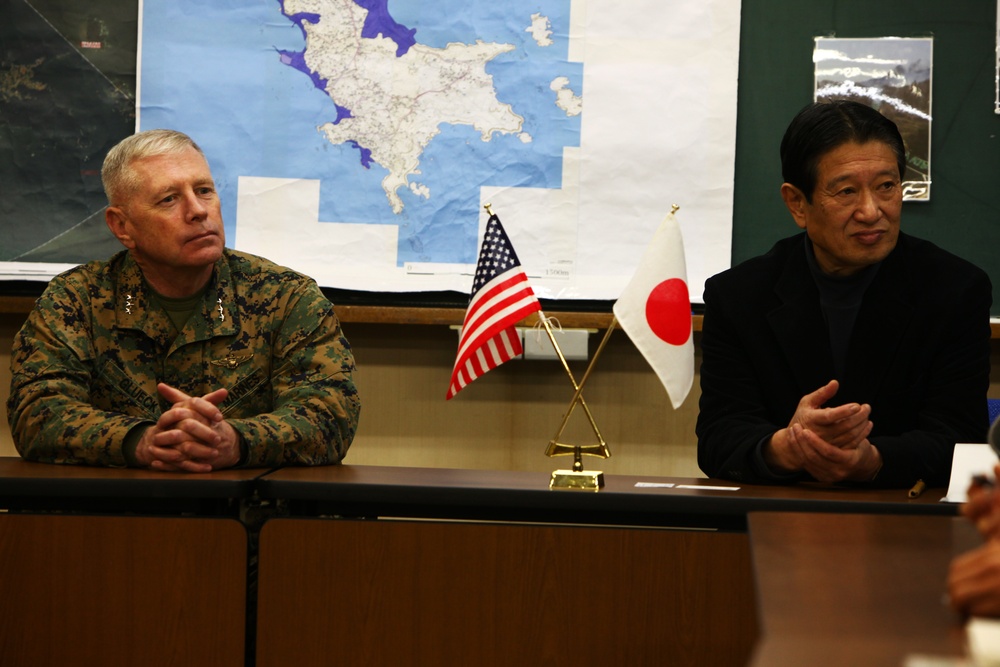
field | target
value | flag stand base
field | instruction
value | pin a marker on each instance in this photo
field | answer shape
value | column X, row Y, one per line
column 577, row 478
column 582, row 480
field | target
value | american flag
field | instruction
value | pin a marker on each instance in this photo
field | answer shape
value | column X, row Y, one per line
column 501, row 297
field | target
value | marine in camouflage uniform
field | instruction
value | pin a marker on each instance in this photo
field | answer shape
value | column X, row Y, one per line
column 86, row 364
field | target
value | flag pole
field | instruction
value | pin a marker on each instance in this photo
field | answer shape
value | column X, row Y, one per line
column 556, row 448
column 578, row 396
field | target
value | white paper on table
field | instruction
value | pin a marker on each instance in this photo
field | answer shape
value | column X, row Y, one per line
column 968, row 460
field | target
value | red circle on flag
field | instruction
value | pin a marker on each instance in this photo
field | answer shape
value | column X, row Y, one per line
column 668, row 311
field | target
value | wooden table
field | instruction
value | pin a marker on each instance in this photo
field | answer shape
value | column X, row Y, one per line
column 109, row 567
column 28, row 486
column 855, row 589
column 380, row 565
column 371, row 491
column 437, row 567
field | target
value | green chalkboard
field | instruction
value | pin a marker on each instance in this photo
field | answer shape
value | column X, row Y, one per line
column 776, row 80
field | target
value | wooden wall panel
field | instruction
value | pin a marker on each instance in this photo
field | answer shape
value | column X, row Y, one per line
column 505, row 419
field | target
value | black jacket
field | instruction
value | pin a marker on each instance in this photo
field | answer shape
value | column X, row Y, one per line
column 919, row 355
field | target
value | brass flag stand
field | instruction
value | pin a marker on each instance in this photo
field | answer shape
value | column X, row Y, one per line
column 578, row 478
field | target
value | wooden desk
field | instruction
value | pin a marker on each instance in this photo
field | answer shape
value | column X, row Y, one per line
column 44, row 487
column 104, row 591
column 493, row 568
column 144, row 584
column 455, row 593
column 854, row 589
column 369, row 491
column 461, row 567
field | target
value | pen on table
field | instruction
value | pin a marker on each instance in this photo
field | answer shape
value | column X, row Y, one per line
column 917, row 489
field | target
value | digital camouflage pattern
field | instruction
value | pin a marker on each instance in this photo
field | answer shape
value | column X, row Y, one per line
column 86, row 363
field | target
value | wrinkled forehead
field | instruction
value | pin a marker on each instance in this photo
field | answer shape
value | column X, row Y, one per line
column 870, row 158
column 175, row 169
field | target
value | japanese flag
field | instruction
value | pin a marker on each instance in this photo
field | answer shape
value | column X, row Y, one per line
column 654, row 309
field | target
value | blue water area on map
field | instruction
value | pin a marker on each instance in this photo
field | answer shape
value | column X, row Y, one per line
column 223, row 75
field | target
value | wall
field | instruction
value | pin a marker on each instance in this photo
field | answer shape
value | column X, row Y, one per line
column 505, row 419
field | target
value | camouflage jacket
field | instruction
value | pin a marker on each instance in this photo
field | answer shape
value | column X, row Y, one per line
column 86, row 363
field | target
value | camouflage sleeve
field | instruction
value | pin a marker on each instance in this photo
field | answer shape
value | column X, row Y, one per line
column 49, row 410
column 316, row 404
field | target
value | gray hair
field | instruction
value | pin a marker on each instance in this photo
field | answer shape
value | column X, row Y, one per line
column 117, row 175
